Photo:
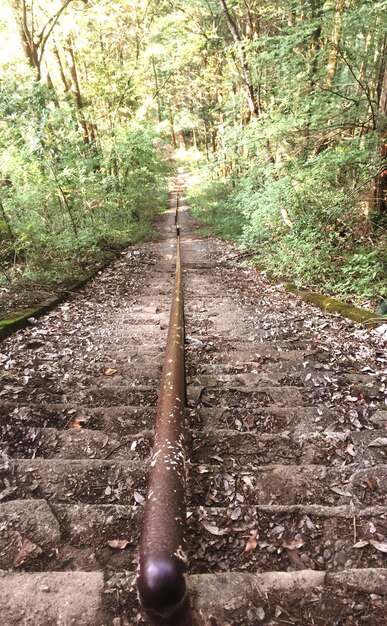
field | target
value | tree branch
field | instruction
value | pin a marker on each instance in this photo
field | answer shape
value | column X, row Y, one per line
column 50, row 25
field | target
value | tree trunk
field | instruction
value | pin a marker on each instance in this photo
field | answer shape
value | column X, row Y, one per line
column 157, row 90
column 380, row 189
column 335, row 41
column 86, row 128
column 172, row 125
column 34, row 43
column 244, row 68
column 6, row 221
column 62, row 74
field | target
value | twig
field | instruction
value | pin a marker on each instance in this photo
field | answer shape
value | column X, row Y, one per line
column 374, row 319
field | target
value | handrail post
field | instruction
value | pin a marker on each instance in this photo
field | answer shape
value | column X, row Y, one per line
column 163, row 556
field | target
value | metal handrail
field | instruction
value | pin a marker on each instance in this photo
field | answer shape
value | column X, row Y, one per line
column 163, row 557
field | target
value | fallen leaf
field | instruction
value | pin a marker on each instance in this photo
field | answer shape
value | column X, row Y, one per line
column 252, row 541
column 360, row 544
column 350, row 449
column 382, row 547
column 378, row 443
column 340, row 492
column 75, row 424
column 295, row 544
column 370, row 483
column 371, row 527
column 110, row 371
column 28, row 550
column 138, row 497
column 214, row 530
column 247, row 480
column 236, row 513
column 118, row 544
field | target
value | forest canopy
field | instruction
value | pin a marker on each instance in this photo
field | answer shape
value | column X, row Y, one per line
column 279, row 105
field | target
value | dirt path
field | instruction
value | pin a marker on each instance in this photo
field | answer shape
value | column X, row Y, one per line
column 287, row 511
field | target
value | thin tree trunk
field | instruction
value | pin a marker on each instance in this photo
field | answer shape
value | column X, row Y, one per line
column 172, row 125
column 380, row 189
column 62, row 74
column 157, row 90
column 34, row 43
column 6, row 221
column 87, row 129
column 335, row 41
column 65, row 203
column 245, row 72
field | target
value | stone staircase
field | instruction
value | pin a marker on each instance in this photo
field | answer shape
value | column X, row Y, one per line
column 287, row 474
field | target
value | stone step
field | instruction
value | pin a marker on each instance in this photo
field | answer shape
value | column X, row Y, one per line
column 240, row 398
column 130, row 334
column 63, row 480
column 130, row 420
column 34, row 533
column 109, row 481
column 251, row 380
column 250, row 538
column 74, row 443
column 94, row 537
column 116, row 395
column 225, row 485
column 355, row 596
column 104, row 395
column 270, row 419
column 145, row 349
column 327, row 448
column 52, row 599
column 298, row 363
column 206, row 350
column 286, row 373
column 28, row 530
column 121, row 420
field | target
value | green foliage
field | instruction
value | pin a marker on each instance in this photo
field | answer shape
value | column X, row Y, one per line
column 213, row 204
column 71, row 204
column 328, row 246
column 297, row 178
column 286, row 110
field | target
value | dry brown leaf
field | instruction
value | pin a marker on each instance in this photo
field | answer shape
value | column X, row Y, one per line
column 360, row 544
column 110, row 371
column 340, row 492
column 214, row 530
column 28, row 550
column 252, row 541
column 118, row 544
column 138, row 497
column 236, row 513
column 378, row 443
column 75, row 424
column 295, row 544
column 370, row 483
column 382, row 547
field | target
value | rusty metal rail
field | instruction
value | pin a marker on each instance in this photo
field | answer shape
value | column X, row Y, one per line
column 163, row 558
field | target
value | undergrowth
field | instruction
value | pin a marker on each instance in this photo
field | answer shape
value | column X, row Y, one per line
column 317, row 251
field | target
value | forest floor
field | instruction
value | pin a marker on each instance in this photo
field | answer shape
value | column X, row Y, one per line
column 18, row 294
column 287, row 449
